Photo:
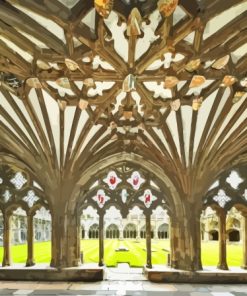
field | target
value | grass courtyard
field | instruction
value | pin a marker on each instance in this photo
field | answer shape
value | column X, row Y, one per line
column 136, row 255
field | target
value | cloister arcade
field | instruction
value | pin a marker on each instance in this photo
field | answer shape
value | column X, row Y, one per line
column 21, row 201
column 124, row 104
column 120, row 186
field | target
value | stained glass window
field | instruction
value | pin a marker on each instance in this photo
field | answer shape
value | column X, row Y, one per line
column 136, row 180
column 101, row 198
column 112, row 180
column 147, row 198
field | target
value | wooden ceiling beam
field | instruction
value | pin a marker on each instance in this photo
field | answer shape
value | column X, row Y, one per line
column 23, row 137
column 235, row 43
column 191, row 7
column 48, row 128
column 238, row 160
column 73, row 130
column 241, row 66
column 24, row 121
column 198, row 40
column 107, row 52
column 79, row 11
column 91, row 149
column 214, row 131
column 162, row 46
column 209, row 121
column 85, row 35
column 97, row 75
column 147, row 98
column 161, row 74
column 180, row 130
column 229, row 126
column 94, row 145
column 227, row 48
column 14, row 57
column 11, row 68
column 61, row 138
column 18, row 39
column 161, row 146
column 108, row 98
column 173, row 148
column 53, row 10
column 224, row 155
column 216, row 7
column 229, row 31
column 156, row 155
column 72, row 163
column 19, row 149
column 192, row 137
column 37, row 124
column 23, row 22
column 224, row 158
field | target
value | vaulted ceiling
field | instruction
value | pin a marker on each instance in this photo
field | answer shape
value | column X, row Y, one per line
column 82, row 80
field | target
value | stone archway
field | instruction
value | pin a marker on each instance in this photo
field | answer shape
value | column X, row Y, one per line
column 94, row 231
column 82, row 232
column 130, row 231
column 112, row 231
column 163, row 231
column 124, row 186
column 233, row 235
column 214, row 235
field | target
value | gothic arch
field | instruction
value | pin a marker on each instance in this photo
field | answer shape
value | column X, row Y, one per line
column 130, row 231
column 112, row 231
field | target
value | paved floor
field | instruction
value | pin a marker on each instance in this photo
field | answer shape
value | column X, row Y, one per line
column 135, row 288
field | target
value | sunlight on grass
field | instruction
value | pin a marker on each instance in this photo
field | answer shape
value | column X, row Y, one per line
column 42, row 253
column 136, row 256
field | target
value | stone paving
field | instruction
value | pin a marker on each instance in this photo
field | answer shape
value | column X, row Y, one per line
column 118, row 288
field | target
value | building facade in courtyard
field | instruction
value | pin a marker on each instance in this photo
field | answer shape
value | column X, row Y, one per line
column 124, row 104
column 116, row 227
column 42, row 227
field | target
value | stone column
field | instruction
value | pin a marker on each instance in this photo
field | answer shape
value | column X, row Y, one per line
column 244, row 265
column 148, row 241
column 65, row 239
column 86, row 233
column 121, row 233
column 19, row 230
column 169, row 228
column 30, row 236
column 186, row 241
column 45, row 224
column 43, row 229
column 155, row 228
column 206, row 236
column 138, row 229
column 7, row 239
column 222, row 240
column 173, row 243
column 101, row 239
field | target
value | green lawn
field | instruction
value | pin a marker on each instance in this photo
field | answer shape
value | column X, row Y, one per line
column 136, row 255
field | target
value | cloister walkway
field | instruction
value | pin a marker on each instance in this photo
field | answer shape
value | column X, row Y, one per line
column 119, row 288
